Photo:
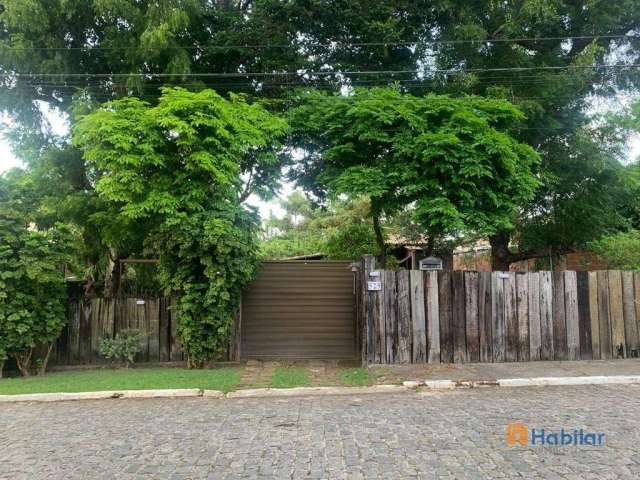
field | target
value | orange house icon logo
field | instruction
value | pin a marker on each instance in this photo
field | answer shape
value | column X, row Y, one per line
column 517, row 433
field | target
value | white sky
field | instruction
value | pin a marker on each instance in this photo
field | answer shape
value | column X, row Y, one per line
column 60, row 126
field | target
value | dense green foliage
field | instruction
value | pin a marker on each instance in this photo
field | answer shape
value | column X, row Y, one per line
column 138, row 196
column 123, row 347
column 33, row 292
column 620, row 250
column 178, row 165
column 452, row 160
column 340, row 231
column 545, row 56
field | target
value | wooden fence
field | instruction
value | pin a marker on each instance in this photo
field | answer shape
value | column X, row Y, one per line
column 455, row 317
column 91, row 320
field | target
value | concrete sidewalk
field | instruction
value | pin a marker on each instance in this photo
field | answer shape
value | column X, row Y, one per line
column 494, row 371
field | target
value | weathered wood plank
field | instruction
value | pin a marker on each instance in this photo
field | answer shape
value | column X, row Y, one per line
column 433, row 316
column 546, row 316
column 390, row 315
column 471, row 287
column 164, row 330
column 95, row 327
column 571, row 315
column 484, row 317
column 367, row 343
column 584, row 316
column 511, row 318
column 617, row 316
column 560, row 348
column 636, row 298
column 418, row 318
column 629, row 311
column 176, row 353
column 75, row 312
column 593, row 315
column 522, row 296
column 459, row 334
column 604, row 317
column 497, row 317
column 379, row 322
column 446, row 316
column 535, row 341
column 153, row 314
column 403, row 353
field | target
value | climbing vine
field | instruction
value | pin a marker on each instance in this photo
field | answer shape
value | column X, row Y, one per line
column 180, row 164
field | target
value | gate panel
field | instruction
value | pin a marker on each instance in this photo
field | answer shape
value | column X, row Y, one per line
column 299, row 309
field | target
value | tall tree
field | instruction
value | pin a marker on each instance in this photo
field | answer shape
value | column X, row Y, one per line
column 178, row 166
column 452, row 160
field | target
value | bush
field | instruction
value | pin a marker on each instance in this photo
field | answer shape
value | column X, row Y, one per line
column 33, row 292
column 620, row 250
column 123, row 347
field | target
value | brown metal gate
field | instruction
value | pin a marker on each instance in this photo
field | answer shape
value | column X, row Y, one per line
column 299, row 309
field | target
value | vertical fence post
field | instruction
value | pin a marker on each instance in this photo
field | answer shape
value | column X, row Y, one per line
column 629, row 310
column 403, row 353
column 418, row 318
column 471, row 314
column 617, row 319
column 433, row 316
column 390, row 314
column 368, row 264
column 497, row 317
column 535, row 339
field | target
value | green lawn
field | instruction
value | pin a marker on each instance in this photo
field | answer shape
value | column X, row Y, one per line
column 224, row 379
column 356, row 377
column 289, row 377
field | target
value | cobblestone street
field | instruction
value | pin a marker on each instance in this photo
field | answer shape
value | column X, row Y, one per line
column 452, row 434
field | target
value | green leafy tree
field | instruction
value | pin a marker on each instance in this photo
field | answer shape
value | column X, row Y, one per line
column 178, row 166
column 545, row 56
column 33, row 293
column 339, row 231
column 451, row 160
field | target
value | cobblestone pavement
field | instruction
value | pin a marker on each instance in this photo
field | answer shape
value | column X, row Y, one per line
column 454, row 434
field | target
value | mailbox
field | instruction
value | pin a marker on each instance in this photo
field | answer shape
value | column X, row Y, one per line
column 431, row 263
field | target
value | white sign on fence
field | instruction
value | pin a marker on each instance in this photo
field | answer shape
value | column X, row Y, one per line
column 374, row 286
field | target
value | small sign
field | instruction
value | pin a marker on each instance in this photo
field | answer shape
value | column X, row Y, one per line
column 430, row 264
column 374, row 274
column 374, row 286
column 503, row 275
column 140, row 302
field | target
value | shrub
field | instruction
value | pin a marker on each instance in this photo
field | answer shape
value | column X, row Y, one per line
column 123, row 347
column 33, row 293
column 620, row 250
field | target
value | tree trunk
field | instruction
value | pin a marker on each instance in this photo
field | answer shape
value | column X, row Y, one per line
column 43, row 368
column 112, row 274
column 24, row 363
column 1, row 367
column 380, row 241
column 501, row 257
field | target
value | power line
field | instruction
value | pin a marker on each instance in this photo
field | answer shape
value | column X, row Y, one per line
column 335, row 44
column 316, row 73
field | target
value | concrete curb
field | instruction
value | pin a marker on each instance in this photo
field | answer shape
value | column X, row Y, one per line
column 526, row 382
column 114, row 394
column 562, row 381
column 215, row 394
column 314, row 391
column 326, row 391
